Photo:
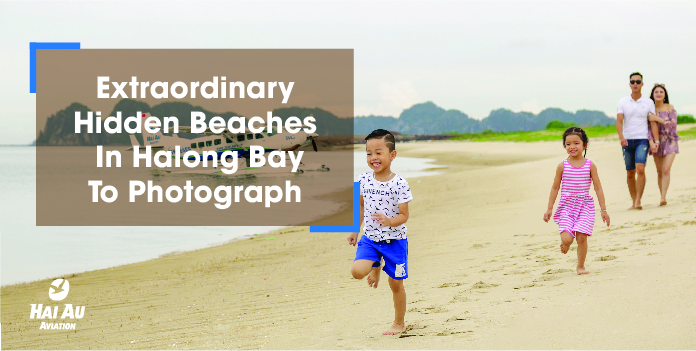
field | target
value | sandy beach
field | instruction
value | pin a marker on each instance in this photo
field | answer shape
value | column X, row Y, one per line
column 485, row 273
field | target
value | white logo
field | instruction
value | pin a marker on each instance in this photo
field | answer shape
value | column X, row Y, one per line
column 400, row 270
column 59, row 289
column 57, row 292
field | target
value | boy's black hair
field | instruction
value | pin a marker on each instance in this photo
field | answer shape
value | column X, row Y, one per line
column 652, row 93
column 635, row 74
column 579, row 132
column 383, row 134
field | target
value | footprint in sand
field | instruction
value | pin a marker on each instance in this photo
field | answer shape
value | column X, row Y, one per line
column 545, row 261
column 533, row 285
column 547, row 278
column 413, row 330
column 482, row 285
column 460, row 298
column 451, row 332
column 618, row 248
column 556, row 271
column 450, row 285
column 429, row 310
column 454, row 319
column 652, row 235
column 416, row 326
column 606, row 258
column 517, row 271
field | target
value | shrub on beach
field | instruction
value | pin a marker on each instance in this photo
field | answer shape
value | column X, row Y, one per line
column 685, row 119
column 556, row 124
column 537, row 135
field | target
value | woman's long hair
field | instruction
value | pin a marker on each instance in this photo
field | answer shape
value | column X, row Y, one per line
column 663, row 88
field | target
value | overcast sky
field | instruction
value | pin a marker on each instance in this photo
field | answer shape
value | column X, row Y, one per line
column 471, row 56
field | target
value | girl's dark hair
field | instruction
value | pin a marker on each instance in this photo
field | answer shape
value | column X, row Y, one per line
column 579, row 132
column 653, row 91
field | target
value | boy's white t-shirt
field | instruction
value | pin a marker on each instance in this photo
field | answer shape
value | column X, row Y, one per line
column 384, row 198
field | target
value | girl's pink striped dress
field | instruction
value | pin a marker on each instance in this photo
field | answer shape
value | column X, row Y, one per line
column 576, row 211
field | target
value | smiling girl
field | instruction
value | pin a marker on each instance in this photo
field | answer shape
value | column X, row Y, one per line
column 575, row 214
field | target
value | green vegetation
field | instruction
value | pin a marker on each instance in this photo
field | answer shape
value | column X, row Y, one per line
column 556, row 124
column 685, row 119
column 554, row 134
column 688, row 134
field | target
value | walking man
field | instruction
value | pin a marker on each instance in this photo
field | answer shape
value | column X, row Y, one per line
column 633, row 127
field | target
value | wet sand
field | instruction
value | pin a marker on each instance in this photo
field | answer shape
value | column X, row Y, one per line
column 485, row 273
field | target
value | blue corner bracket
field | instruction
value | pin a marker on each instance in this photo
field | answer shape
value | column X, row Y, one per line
column 32, row 58
column 344, row 228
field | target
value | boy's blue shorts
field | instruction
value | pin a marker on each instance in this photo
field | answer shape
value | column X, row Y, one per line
column 395, row 254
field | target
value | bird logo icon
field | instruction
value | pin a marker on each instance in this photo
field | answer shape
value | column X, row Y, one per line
column 59, row 289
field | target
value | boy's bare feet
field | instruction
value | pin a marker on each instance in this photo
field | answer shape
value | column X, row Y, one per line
column 395, row 329
column 582, row 270
column 373, row 277
column 564, row 248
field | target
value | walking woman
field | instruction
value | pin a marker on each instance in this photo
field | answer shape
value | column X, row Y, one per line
column 668, row 147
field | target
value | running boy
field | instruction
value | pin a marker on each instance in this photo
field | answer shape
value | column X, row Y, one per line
column 384, row 198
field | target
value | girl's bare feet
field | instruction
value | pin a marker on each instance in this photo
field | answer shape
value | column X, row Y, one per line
column 663, row 202
column 566, row 241
column 373, row 277
column 395, row 329
column 582, row 270
column 564, row 248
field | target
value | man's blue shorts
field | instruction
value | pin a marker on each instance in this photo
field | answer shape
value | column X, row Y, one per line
column 395, row 253
column 635, row 152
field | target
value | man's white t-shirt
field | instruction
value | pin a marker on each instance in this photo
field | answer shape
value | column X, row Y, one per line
column 635, row 123
column 384, row 198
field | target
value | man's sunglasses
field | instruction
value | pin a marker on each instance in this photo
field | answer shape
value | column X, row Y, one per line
column 636, row 81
